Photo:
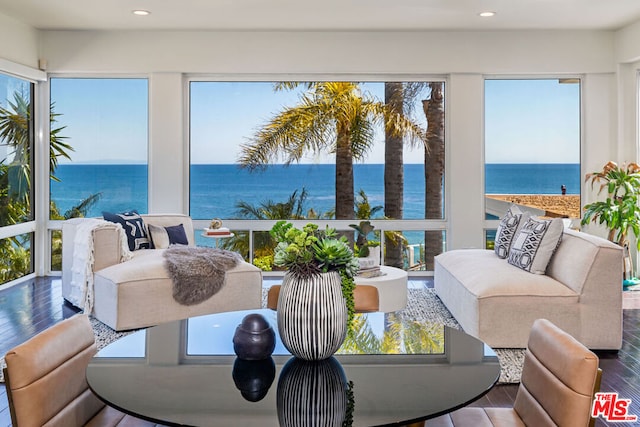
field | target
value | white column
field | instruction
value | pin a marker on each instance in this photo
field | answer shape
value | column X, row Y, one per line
column 465, row 161
column 168, row 159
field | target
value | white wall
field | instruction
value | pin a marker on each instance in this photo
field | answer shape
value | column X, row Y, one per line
column 19, row 42
column 627, row 48
column 465, row 161
column 464, row 58
column 329, row 52
column 167, row 160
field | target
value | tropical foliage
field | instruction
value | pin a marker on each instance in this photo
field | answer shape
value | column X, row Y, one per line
column 363, row 230
column 619, row 212
column 294, row 207
column 16, row 183
column 331, row 117
column 399, row 336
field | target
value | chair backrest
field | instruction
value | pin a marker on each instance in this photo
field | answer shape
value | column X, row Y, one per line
column 559, row 379
column 365, row 298
column 45, row 376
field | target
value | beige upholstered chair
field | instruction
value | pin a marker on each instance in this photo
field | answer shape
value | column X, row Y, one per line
column 560, row 377
column 365, row 298
column 46, row 384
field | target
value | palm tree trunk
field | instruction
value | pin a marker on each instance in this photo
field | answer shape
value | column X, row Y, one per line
column 345, row 199
column 393, row 173
column 434, row 168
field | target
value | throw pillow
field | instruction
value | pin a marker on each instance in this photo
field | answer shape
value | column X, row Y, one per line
column 534, row 244
column 134, row 228
column 162, row 237
column 507, row 229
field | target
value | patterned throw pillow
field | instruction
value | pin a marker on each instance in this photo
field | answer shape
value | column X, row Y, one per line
column 506, row 230
column 162, row 237
column 535, row 243
column 134, row 228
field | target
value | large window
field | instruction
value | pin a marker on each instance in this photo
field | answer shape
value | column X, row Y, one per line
column 320, row 150
column 99, row 130
column 102, row 127
column 532, row 146
column 16, row 174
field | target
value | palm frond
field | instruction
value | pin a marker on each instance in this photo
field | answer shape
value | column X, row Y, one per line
column 291, row 134
column 81, row 209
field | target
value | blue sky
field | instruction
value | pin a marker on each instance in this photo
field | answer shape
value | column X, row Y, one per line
column 532, row 121
column 225, row 115
column 105, row 119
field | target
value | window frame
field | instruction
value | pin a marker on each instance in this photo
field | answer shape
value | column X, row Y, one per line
column 45, row 194
column 265, row 225
column 491, row 225
column 36, row 78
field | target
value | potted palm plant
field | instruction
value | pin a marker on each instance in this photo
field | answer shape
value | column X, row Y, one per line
column 619, row 212
column 317, row 289
column 363, row 243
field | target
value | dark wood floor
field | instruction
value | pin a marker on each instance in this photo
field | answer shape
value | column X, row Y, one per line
column 33, row 306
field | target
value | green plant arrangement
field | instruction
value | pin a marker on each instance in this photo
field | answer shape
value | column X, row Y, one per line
column 363, row 230
column 620, row 212
column 310, row 251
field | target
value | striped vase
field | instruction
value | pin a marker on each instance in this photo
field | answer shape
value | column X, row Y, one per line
column 312, row 394
column 312, row 315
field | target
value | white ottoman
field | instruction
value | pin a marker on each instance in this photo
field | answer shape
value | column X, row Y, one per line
column 392, row 288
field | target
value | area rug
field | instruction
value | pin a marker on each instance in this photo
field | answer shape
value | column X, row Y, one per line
column 423, row 305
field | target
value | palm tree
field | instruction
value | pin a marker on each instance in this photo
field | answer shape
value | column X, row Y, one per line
column 393, row 171
column 400, row 336
column 400, row 99
column 78, row 211
column 333, row 117
column 15, row 180
column 363, row 208
column 434, row 168
column 292, row 208
column 15, row 132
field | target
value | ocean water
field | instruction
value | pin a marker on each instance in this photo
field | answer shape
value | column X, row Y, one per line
column 216, row 189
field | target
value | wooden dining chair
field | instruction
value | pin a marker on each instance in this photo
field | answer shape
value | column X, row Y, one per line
column 560, row 377
column 46, row 383
column 365, row 298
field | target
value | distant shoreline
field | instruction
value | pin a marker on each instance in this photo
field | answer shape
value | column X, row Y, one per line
column 558, row 206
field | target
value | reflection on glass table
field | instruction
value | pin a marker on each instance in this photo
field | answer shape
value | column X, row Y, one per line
column 388, row 371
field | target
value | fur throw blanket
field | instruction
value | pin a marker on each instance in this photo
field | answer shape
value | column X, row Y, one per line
column 197, row 272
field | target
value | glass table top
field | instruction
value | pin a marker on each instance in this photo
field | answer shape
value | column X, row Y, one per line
column 389, row 371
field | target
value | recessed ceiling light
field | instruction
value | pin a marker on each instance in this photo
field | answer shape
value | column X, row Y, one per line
column 141, row 12
column 486, row 14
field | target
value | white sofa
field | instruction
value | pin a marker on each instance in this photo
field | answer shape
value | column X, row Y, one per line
column 496, row 302
column 138, row 292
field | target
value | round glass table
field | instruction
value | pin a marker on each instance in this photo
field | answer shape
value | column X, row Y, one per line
column 389, row 371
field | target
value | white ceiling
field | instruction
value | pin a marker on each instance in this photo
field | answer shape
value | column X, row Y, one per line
column 323, row 14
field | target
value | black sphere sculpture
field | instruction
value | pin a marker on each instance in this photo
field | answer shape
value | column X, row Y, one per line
column 254, row 338
column 253, row 377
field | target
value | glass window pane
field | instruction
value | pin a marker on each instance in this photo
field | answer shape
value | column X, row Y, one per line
column 418, row 255
column 16, row 141
column 254, row 143
column 532, row 146
column 56, row 250
column 15, row 257
column 103, row 124
column 490, row 239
